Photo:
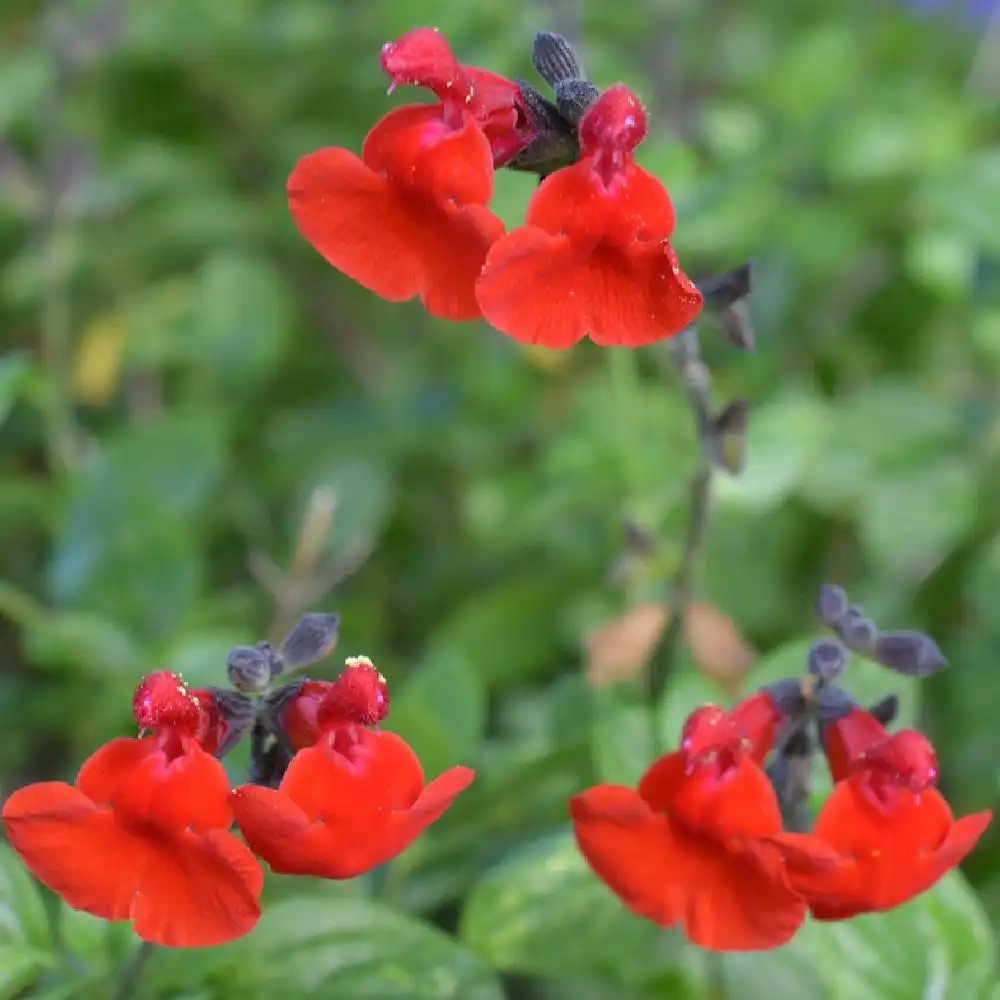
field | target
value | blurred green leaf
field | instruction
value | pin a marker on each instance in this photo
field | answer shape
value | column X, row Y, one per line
column 76, row 641
column 244, row 312
column 623, row 737
column 938, row 945
column 543, row 911
column 440, row 711
column 307, row 946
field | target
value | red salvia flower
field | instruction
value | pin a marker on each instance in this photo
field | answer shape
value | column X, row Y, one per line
column 700, row 843
column 893, row 828
column 595, row 257
column 354, row 800
column 423, row 58
column 143, row 835
column 360, row 695
column 410, row 217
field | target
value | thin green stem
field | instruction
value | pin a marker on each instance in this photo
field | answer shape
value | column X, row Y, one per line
column 133, row 971
column 697, row 383
column 623, row 376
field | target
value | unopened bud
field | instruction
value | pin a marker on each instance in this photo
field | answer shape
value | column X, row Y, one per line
column 574, row 98
column 555, row 59
column 912, row 653
column 313, row 638
column 827, row 659
column 723, row 290
column 858, row 631
column 729, row 437
column 832, row 604
column 250, row 667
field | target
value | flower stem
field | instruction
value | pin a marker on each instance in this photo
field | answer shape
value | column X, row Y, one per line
column 623, row 376
column 133, row 971
column 696, row 380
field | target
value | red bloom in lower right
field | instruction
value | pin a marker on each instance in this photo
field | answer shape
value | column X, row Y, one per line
column 893, row 829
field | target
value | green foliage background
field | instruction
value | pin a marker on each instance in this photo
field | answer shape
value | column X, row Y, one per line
column 181, row 372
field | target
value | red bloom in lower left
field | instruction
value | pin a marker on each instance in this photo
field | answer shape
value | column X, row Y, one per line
column 143, row 835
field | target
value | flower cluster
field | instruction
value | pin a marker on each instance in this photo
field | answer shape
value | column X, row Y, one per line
column 145, row 832
column 711, row 840
column 410, row 216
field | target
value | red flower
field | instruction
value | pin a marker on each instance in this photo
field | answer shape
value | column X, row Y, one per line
column 360, row 695
column 700, row 843
column 594, row 257
column 350, row 803
column 423, row 57
column 409, row 217
column 892, row 827
column 143, row 835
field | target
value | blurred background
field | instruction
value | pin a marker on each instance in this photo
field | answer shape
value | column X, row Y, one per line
column 206, row 431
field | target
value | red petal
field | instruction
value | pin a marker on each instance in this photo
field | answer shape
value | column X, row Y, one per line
column 354, row 842
column 182, row 890
column 299, row 719
column 198, row 891
column 75, row 848
column 888, row 857
column 422, row 57
column 848, row 738
column 741, row 803
column 553, row 291
column 760, row 719
column 726, row 898
column 417, row 149
column 280, row 832
column 376, row 773
column 431, row 805
column 141, row 783
column 575, row 201
column 392, row 241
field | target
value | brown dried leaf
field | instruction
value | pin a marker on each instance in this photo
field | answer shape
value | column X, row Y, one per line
column 619, row 649
column 717, row 645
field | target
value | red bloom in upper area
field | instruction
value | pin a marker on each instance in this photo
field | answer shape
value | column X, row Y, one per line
column 409, row 216
column 700, row 843
column 594, row 258
column 360, row 695
column 894, row 830
column 143, row 835
column 423, row 57
column 352, row 802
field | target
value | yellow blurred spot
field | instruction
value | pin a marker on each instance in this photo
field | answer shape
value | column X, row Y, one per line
column 547, row 359
column 97, row 366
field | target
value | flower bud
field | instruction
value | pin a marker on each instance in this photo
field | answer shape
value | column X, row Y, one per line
column 858, row 631
column 555, row 59
column 250, row 667
column 313, row 638
column 832, row 604
column 827, row 659
column 911, row 653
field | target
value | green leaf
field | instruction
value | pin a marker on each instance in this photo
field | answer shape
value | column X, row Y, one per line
column 244, row 315
column 25, row 917
column 71, row 641
column 544, row 911
column 622, row 739
column 441, row 712
column 783, row 438
column 133, row 516
column 18, row 375
column 310, row 946
column 506, row 630
column 938, row 945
